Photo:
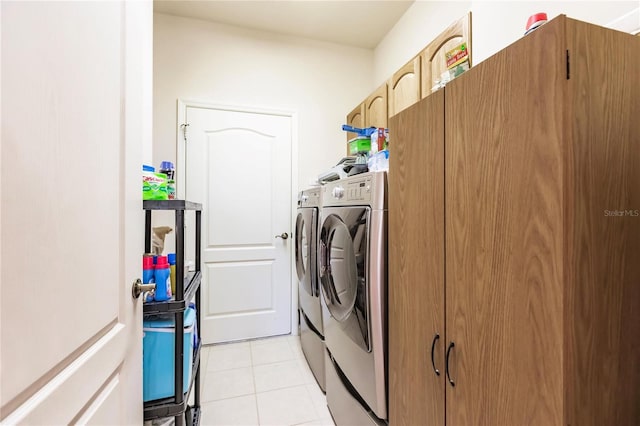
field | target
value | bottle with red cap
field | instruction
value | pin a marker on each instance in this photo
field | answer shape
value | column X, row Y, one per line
column 148, row 273
column 162, row 276
column 535, row 21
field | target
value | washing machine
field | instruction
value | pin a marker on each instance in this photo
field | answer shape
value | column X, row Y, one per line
column 352, row 263
column 310, row 311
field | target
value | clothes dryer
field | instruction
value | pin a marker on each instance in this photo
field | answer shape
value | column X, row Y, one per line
column 311, row 325
column 352, row 251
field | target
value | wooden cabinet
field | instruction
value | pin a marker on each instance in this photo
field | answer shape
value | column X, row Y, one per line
column 433, row 56
column 404, row 87
column 375, row 108
column 416, row 264
column 356, row 119
column 514, row 236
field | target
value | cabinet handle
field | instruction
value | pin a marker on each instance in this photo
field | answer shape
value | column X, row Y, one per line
column 433, row 346
column 446, row 365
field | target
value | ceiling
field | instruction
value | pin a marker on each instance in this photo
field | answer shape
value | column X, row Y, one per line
column 360, row 23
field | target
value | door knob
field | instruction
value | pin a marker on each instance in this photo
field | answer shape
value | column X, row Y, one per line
column 138, row 288
column 284, row 236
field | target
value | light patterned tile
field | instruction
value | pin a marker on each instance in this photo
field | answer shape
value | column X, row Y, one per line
column 269, row 352
column 241, row 411
column 229, row 358
column 296, row 347
column 278, row 375
column 323, row 422
column 282, row 407
column 226, row 346
column 228, row 384
column 319, row 401
column 306, row 372
column 271, row 339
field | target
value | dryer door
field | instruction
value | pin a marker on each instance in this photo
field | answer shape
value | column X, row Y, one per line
column 343, row 269
column 305, row 250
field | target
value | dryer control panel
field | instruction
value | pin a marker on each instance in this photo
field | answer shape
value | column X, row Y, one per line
column 309, row 198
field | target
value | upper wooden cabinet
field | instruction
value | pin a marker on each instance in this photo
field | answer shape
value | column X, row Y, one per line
column 404, row 87
column 375, row 108
column 433, row 59
column 355, row 119
column 413, row 81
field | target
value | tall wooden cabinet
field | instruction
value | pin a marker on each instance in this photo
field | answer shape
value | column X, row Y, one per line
column 514, row 238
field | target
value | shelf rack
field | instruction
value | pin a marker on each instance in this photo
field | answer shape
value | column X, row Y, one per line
column 177, row 406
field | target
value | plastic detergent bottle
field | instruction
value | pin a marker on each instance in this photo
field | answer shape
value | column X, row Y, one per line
column 163, row 279
column 148, row 273
column 172, row 269
column 166, row 167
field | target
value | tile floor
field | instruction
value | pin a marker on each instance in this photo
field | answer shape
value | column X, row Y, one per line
column 260, row 382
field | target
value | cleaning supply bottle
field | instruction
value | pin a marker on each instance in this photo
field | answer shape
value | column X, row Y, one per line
column 163, row 279
column 148, row 273
column 172, row 269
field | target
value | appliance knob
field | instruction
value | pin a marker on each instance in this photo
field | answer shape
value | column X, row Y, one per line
column 338, row 192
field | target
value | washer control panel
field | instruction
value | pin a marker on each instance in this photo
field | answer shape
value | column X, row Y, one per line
column 353, row 190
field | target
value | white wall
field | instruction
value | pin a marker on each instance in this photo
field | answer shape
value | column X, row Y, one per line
column 498, row 24
column 495, row 25
column 228, row 65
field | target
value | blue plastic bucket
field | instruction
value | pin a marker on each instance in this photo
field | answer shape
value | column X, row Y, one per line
column 158, row 355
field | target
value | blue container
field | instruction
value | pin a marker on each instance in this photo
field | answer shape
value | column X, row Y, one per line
column 158, row 356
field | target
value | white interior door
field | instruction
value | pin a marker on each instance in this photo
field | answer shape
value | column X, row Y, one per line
column 238, row 164
column 71, row 212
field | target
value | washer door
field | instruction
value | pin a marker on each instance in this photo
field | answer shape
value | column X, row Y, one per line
column 343, row 269
column 305, row 249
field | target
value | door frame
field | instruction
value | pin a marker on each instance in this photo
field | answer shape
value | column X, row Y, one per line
column 183, row 104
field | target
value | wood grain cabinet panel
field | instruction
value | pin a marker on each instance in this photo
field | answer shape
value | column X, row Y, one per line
column 404, row 87
column 433, row 56
column 416, row 278
column 356, row 119
column 375, row 108
column 539, row 238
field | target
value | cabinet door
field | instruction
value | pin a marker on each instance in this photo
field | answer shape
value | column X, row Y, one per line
column 356, row 119
column 375, row 108
column 404, row 87
column 416, row 264
column 433, row 60
column 504, row 227
column 602, row 360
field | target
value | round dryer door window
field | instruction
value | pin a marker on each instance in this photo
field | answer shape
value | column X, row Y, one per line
column 340, row 277
column 343, row 261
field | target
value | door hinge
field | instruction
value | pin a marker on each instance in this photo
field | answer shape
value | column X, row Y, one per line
column 184, row 126
column 568, row 74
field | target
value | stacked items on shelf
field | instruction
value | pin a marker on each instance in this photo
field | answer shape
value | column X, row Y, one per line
column 158, row 185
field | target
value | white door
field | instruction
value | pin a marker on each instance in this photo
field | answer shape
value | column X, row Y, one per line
column 238, row 164
column 72, row 234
